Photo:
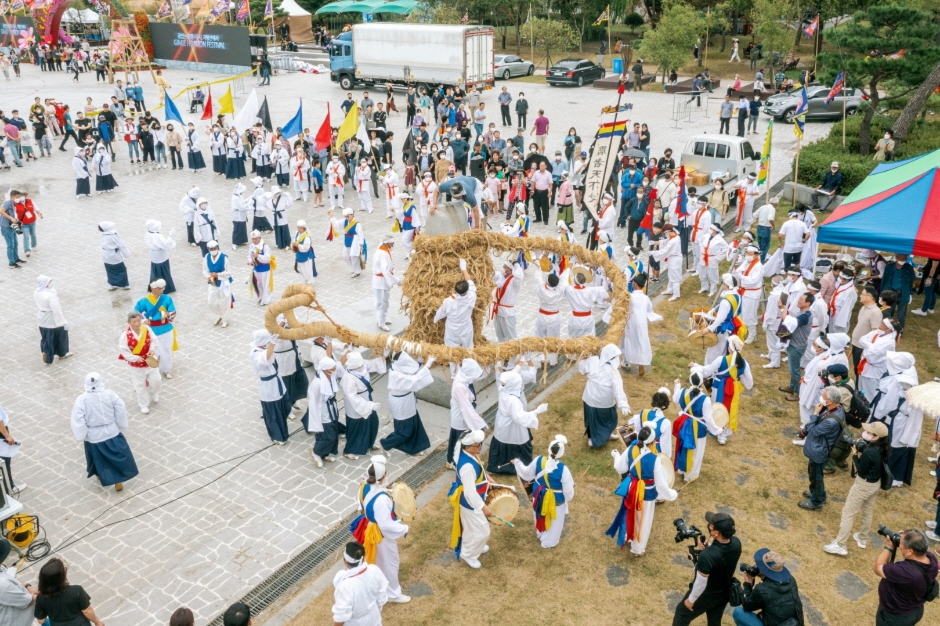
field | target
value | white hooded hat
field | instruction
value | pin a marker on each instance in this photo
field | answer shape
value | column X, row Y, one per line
column 406, row 365
column 354, row 360
column 561, row 441
column 470, row 370
column 378, row 464
column 610, row 353
column 260, row 337
column 899, row 362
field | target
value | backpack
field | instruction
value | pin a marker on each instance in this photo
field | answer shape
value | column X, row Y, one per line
column 843, row 446
column 859, row 410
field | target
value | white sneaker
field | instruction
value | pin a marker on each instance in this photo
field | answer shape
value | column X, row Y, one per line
column 485, row 550
column 316, row 459
column 931, row 459
column 674, row 298
column 19, row 487
column 721, row 441
column 614, row 436
column 386, row 328
column 932, row 535
column 932, row 525
column 765, row 356
column 799, row 442
column 919, row 312
column 402, row 599
column 860, row 540
column 771, row 366
column 933, row 472
column 155, row 399
column 834, row 548
column 145, row 410
column 474, row 563
column 352, row 457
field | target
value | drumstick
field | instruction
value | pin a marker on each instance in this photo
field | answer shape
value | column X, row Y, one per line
column 504, row 465
column 510, row 524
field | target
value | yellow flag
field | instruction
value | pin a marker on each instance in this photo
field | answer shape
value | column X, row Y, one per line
column 225, row 102
column 349, row 127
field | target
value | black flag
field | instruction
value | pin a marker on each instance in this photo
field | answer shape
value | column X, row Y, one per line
column 408, row 151
column 264, row 116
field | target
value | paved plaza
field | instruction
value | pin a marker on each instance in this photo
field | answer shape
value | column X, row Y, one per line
column 216, row 508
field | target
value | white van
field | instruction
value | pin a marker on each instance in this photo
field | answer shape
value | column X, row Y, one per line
column 730, row 157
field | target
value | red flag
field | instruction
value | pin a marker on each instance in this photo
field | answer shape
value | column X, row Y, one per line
column 324, row 136
column 622, row 87
column 647, row 222
column 207, row 110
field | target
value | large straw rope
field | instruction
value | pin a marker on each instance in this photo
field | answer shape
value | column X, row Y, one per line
column 430, row 278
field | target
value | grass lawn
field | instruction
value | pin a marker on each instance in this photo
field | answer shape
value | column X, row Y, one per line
column 758, row 476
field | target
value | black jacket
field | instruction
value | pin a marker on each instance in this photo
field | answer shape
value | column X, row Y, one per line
column 777, row 602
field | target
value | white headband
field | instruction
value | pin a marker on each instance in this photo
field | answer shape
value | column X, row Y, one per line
column 822, row 344
column 350, row 560
column 651, row 438
column 888, row 324
column 378, row 464
column 560, row 441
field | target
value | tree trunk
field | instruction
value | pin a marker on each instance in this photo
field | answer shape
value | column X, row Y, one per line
column 905, row 120
column 864, row 131
column 799, row 27
column 724, row 38
column 519, row 40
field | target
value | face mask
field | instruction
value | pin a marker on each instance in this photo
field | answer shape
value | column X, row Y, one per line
column 639, row 196
column 718, row 186
column 335, row 159
column 866, row 436
column 446, row 143
column 887, row 136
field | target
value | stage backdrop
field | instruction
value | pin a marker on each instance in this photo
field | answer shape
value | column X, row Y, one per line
column 12, row 28
column 190, row 45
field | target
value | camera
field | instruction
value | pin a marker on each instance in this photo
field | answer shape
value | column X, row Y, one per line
column 750, row 570
column 684, row 532
column 861, row 444
column 884, row 531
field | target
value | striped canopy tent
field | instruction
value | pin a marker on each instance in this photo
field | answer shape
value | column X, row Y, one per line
column 895, row 209
column 336, row 7
column 398, row 7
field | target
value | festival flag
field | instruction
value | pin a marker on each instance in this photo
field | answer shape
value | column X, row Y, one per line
column 612, row 129
column 810, row 30
column 409, row 153
column 226, row 105
column 265, row 116
column 16, row 6
column 165, row 9
column 681, row 198
column 295, row 125
column 603, row 17
column 897, row 55
column 268, row 11
column 207, row 110
column 837, row 87
column 799, row 116
column 325, row 134
column 243, row 12
column 170, row 112
column 350, row 125
column 764, row 171
column 614, row 109
column 220, row 8
column 248, row 114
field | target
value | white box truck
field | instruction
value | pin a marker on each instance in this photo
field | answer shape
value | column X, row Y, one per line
column 423, row 55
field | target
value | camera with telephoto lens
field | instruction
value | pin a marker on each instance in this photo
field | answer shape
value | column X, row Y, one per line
column 684, row 532
column 861, row 444
column 884, row 531
column 750, row 570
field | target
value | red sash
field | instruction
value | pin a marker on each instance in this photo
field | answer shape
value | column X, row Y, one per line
column 499, row 297
column 695, row 228
column 746, row 272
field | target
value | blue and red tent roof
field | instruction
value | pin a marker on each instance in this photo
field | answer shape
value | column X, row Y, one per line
column 895, row 209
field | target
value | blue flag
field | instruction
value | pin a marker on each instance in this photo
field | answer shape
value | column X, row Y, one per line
column 799, row 116
column 296, row 124
column 170, row 112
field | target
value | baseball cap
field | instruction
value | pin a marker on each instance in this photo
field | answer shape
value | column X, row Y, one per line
column 876, row 428
column 722, row 522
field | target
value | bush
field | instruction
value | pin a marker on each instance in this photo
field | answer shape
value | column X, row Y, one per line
column 816, row 157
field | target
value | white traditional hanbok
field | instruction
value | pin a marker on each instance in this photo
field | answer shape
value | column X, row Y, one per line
column 812, row 384
column 905, row 423
column 603, row 395
column 875, row 348
column 362, row 421
column 457, row 311
column 405, row 379
column 548, row 320
column 504, row 301
column 841, row 306
column 808, row 258
column 551, row 481
column 322, row 415
column 219, row 277
column 359, row 595
column 512, row 438
column 334, row 173
column 635, row 343
column 262, row 276
column 463, row 405
column 300, row 172
column 204, row 228
column 240, row 208
column 362, row 179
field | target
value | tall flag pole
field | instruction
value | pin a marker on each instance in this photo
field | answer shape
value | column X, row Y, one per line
column 799, row 122
column 837, row 87
column 763, row 175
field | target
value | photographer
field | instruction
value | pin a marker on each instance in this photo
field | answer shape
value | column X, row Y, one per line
column 10, row 227
column 868, row 460
column 776, row 596
column 710, row 590
column 908, row 584
column 822, row 434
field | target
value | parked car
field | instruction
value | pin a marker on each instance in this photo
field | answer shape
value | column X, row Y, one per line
column 731, row 158
column 506, row 66
column 783, row 106
column 574, row 72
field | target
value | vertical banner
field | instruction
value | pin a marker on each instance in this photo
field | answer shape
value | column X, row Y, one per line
column 601, row 163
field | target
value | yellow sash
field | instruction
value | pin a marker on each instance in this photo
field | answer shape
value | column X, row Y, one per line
column 548, row 501
column 456, row 531
column 141, row 341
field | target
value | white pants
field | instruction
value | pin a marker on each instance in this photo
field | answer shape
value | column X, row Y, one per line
column 697, row 458
column 220, row 302
column 747, row 216
column 336, row 195
column 806, row 415
column 749, row 308
column 675, row 276
column 388, row 560
column 708, row 276
column 580, row 326
column 476, row 532
column 407, row 240
column 263, row 294
column 505, row 327
column 365, row 200
column 301, row 188
column 146, row 382
column 551, row 537
column 646, row 524
column 163, row 348
column 381, row 305
column 423, row 210
column 773, row 345
column 305, row 269
column 696, row 252
column 548, row 326
column 351, row 256
column 717, row 350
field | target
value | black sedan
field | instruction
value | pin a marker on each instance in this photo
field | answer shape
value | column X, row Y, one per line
column 574, row 72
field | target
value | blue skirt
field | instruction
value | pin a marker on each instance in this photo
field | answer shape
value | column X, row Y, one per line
column 195, row 160
column 218, row 163
column 82, row 186
column 265, row 171
column 361, row 434
column 234, row 168
column 502, row 454
column 53, row 342
column 162, row 270
column 409, row 436
column 283, row 180
column 282, row 238
column 239, row 233
column 105, row 183
column 190, row 235
column 599, row 424
column 327, row 442
column 296, row 384
column 261, row 224
column 451, row 443
column 275, row 414
column 117, row 275
column 111, row 461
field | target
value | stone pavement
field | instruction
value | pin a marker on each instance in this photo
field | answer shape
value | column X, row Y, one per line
column 215, row 508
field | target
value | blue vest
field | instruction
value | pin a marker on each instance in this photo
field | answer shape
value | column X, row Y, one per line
column 263, row 267
column 551, row 480
column 303, row 257
column 217, row 266
column 369, row 509
column 643, row 470
column 349, row 233
column 694, row 409
column 406, row 223
column 481, row 483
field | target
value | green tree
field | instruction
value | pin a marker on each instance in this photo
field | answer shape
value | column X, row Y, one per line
column 872, row 38
column 550, row 36
column 256, row 7
column 581, row 14
column 633, row 21
column 773, row 26
column 670, row 44
column 713, row 20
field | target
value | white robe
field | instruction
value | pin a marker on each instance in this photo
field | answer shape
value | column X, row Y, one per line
column 475, row 526
column 334, row 173
column 402, row 402
column 359, row 595
column 649, row 507
column 841, row 307
column 670, row 254
column 513, row 421
column 356, row 397
column 548, row 319
column 635, row 344
column 457, row 311
column 362, row 179
column 505, row 307
column 604, row 387
column 875, row 347
column 261, row 278
column 220, row 297
column 551, row 537
column 581, row 299
column 319, row 391
column 300, row 172
column 352, row 251
column 751, row 281
column 808, row 258
column 204, row 228
column 383, row 279
column 387, row 558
